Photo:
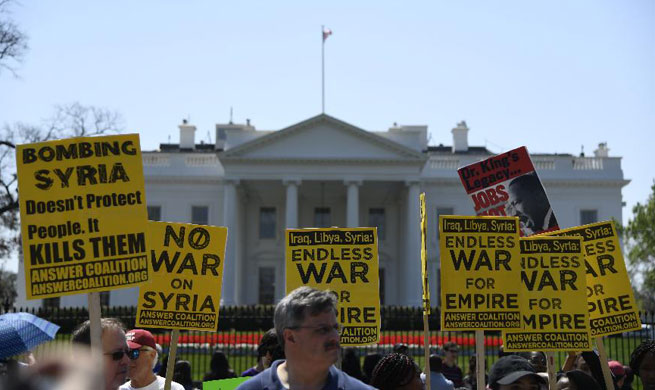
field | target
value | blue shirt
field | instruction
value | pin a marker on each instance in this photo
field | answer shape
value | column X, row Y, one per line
column 268, row 380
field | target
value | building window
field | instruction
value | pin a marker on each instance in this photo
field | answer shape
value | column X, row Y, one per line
column 51, row 303
column 267, row 222
column 381, row 272
column 443, row 211
column 588, row 216
column 154, row 213
column 266, row 285
column 376, row 218
column 200, row 215
column 322, row 217
column 104, row 298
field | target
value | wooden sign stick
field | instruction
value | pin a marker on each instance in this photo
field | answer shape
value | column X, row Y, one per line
column 172, row 351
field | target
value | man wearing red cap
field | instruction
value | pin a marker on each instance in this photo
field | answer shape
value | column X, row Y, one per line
column 140, row 369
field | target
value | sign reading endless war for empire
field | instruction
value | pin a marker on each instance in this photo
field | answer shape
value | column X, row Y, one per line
column 83, row 215
column 184, row 290
column 480, row 270
column 553, row 300
column 344, row 261
column 611, row 303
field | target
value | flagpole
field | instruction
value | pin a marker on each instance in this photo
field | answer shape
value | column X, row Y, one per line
column 322, row 69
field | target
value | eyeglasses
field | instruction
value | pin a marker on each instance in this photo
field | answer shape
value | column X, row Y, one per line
column 321, row 330
column 132, row 354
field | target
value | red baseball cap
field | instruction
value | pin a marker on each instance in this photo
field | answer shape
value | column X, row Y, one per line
column 616, row 368
column 137, row 338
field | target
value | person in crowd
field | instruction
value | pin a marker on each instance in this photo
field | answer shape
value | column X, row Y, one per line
column 370, row 361
column 143, row 346
column 618, row 372
column 642, row 363
column 116, row 354
column 182, row 374
column 514, row 373
column 450, row 368
column 577, row 380
column 528, row 201
column 629, row 378
column 437, row 380
column 537, row 359
column 350, row 363
column 268, row 344
column 401, row 348
column 397, row 371
column 471, row 379
column 220, row 368
column 307, row 328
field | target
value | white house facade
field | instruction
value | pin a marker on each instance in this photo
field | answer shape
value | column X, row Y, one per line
column 325, row 172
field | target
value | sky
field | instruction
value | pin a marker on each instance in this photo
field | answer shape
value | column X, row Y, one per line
column 553, row 75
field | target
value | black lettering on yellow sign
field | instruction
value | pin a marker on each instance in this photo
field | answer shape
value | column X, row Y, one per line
column 610, row 304
column 358, row 270
column 604, row 263
column 536, row 282
column 481, row 259
column 555, row 321
column 186, row 302
column 86, row 175
column 198, row 238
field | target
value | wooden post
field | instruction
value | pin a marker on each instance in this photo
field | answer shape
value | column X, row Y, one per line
column 480, row 359
column 172, row 351
column 93, row 301
column 604, row 364
column 426, row 346
column 552, row 370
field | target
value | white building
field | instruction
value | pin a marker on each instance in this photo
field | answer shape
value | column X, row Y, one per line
column 326, row 172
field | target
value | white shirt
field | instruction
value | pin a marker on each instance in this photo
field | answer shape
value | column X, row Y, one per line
column 157, row 384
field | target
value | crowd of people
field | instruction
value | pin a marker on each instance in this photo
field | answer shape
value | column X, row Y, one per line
column 303, row 352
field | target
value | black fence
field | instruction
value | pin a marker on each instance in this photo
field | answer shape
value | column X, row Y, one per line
column 240, row 328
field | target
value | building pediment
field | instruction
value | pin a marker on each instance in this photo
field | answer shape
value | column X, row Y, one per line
column 322, row 138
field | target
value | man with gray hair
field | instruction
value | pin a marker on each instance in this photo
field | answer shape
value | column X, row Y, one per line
column 307, row 328
column 144, row 350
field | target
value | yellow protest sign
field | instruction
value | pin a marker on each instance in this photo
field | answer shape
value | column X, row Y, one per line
column 480, row 267
column 553, row 300
column 83, row 215
column 184, row 291
column 344, row 261
column 611, row 303
column 424, row 256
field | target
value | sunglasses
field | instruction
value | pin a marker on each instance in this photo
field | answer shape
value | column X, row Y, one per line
column 132, row 354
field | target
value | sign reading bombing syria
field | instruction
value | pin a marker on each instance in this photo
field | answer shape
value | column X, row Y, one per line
column 610, row 301
column 83, row 215
column 184, row 290
column 344, row 261
column 480, row 267
column 553, row 301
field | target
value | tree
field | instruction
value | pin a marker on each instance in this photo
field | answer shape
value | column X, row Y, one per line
column 72, row 120
column 639, row 236
column 13, row 42
column 7, row 288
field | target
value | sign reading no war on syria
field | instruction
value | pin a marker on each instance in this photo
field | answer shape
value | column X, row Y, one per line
column 611, row 303
column 553, row 300
column 344, row 261
column 184, row 291
column 83, row 215
column 480, row 269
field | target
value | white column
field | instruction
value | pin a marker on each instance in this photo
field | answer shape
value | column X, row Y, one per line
column 230, row 221
column 291, row 221
column 352, row 205
column 412, row 264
